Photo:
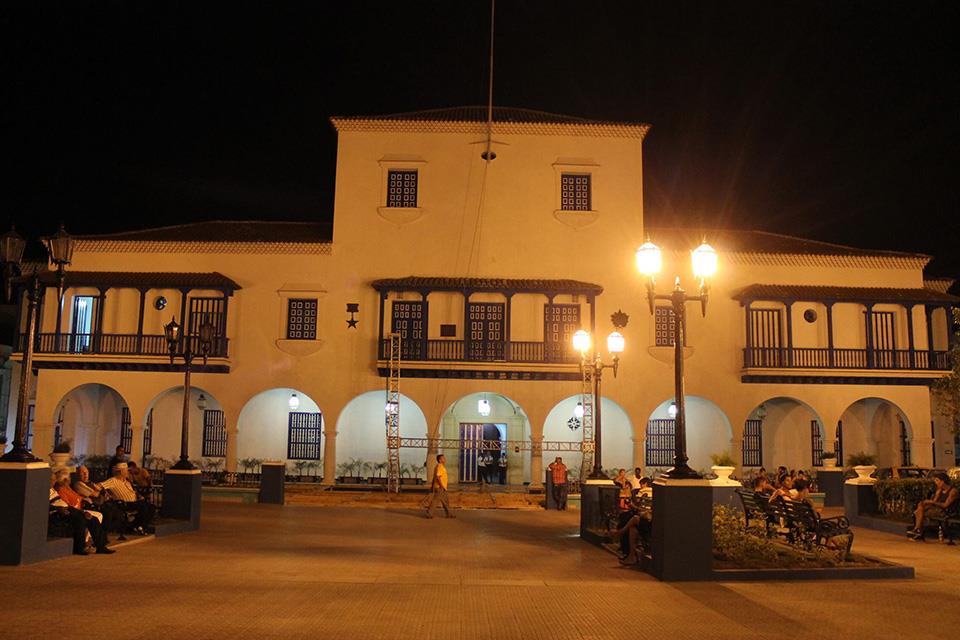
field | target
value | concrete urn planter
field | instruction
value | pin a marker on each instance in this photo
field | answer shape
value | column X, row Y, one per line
column 60, row 460
column 723, row 477
column 863, row 474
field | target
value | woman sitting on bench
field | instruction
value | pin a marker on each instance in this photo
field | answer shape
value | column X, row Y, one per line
column 935, row 507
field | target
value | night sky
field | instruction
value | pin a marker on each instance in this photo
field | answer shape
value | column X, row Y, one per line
column 834, row 120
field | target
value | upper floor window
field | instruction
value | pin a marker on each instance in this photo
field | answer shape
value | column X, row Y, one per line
column 575, row 192
column 302, row 319
column 665, row 327
column 402, row 186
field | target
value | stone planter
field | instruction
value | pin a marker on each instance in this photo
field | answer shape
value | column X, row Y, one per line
column 60, row 460
column 723, row 477
column 863, row 474
column 829, row 463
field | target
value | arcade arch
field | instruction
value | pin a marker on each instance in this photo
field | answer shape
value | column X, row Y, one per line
column 562, row 425
column 164, row 417
column 362, row 433
column 879, row 427
column 271, row 418
column 783, row 431
column 93, row 416
column 708, row 432
column 505, row 421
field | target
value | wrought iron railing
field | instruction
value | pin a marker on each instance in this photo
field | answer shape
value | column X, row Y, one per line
column 843, row 358
column 115, row 344
column 466, row 351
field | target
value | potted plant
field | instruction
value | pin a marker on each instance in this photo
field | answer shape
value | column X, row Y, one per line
column 379, row 470
column 61, row 454
column 829, row 459
column 723, row 466
column 864, row 464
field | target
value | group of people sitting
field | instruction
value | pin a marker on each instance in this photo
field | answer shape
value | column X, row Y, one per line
column 786, row 485
column 635, row 519
column 92, row 509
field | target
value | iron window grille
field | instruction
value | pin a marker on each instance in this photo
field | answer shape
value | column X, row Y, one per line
column 816, row 443
column 304, row 431
column 148, row 435
column 665, row 326
column 661, row 446
column 904, row 445
column 214, row 434
column 126, row 433
column 402, row 187
column 753, row 443
column 575, row 192
column 302, row 319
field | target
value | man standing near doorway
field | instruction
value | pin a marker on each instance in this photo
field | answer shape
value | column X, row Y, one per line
column 558, row 473
column 438, row 488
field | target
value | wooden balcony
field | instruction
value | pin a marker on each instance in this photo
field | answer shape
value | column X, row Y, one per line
column 838, row 358
column 113, row 344
column 466, row 351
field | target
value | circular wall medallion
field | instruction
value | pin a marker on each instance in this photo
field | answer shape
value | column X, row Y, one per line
column 160, row 303
column 810, row 315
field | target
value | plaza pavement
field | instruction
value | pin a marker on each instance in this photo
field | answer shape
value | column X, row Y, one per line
column 259, row 571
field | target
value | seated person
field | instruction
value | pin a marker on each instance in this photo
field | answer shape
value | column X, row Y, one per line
column 944, row 497
column 635, row 530
column 69, row 503
column 139, row 476
column 625, row 489
column 635, row 479
column 122, row 492
column 785, row 490
column 762, row 486
column 98, row 497
column 644, row 488
column 119, row 456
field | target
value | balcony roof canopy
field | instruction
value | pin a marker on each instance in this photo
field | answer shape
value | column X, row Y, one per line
column 143, row 280
column 823, row 293
column 499, row 285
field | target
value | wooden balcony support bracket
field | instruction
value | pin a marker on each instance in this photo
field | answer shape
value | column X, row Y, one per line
column 910, row 338
column 143, row 299
column 832, row 356
column 788, row 305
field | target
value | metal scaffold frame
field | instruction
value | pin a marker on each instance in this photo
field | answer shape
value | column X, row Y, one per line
column 392, row 416
column 487, row 445
column 586, row 399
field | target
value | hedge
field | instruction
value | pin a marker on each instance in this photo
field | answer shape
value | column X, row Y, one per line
column 900, row 496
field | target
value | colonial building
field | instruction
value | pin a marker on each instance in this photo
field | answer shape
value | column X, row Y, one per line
column 486, row 269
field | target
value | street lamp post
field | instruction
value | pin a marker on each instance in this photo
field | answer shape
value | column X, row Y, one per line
column 649, row 262
column 183, row 346
column 60, row 250
column 615, row 345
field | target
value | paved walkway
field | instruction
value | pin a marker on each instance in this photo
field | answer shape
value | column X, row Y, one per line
column 296, row 572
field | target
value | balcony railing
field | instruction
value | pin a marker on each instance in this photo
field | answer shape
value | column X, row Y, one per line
column 114, row 344
column 837, row 358
column 464, row 351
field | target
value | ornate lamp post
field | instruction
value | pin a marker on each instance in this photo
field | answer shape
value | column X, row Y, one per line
column 60, row 250
column 183, row 346
column 649, row 262
column 615, row 345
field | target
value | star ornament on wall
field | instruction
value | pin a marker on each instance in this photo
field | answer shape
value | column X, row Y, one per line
column 353, row 308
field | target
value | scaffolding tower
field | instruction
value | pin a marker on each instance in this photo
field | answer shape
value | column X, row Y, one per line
column 587, row 400
column 392, row 411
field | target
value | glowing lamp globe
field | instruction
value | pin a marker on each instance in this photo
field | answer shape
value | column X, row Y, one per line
column 578, row 411
column 483, row 407
column 581, row 341
column 293, row 402
column 615, row 342
column 649, row 260
column 672, row 410
column 704, row 260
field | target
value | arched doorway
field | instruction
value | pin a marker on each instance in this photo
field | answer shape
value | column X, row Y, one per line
column 362, row 438
column 708, row 432
column 563, row 425
column 878, row 427
column 163, row 421
column 784, row 431
column 281, row 424
column 496, row 420
column 95, row 418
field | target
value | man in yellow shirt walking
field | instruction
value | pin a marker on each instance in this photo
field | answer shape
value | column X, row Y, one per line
column 438, row 488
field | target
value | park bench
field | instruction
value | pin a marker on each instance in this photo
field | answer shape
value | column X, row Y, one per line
column 798, row 522
column 757, row 507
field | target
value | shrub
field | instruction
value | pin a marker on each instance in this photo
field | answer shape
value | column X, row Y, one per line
column 723, row 459
column 62, row 447
column 899, row 497
column 861, row 459
column 743, row 546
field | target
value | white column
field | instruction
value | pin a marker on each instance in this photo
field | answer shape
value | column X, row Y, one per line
column 536, row 461
column 330, row 456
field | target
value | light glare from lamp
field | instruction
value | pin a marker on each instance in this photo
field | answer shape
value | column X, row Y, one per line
column 704, row 260
column 483, row 407
column 649, row 259
column 581, row 341
column 293, row 402
column 578, row 411
column 202, row 402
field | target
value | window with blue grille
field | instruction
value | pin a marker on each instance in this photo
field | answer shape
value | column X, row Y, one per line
column 575, row 192
column 402, row 187
column 302, row 319
column 214, row 434
column 304, row 432
column 665, row 326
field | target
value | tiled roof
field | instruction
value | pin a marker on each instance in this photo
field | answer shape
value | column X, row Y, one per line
column 841, row 294
column 228, row 231
column 136, row 279
column 526, row 285
column 748, row 241
column 479, row 114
